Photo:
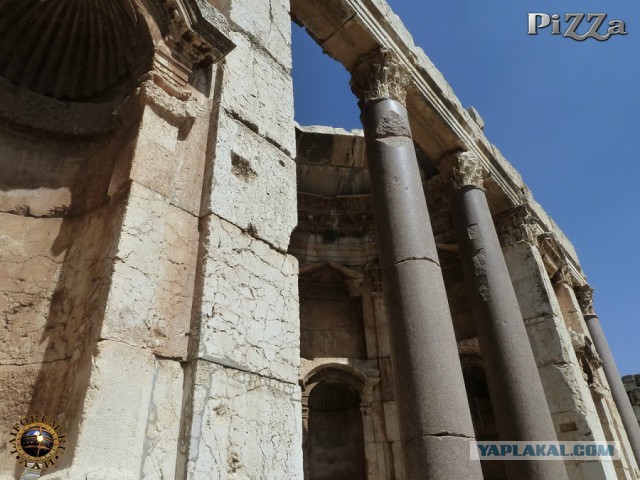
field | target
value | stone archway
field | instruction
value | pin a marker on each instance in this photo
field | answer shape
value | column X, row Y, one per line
column 334, row 440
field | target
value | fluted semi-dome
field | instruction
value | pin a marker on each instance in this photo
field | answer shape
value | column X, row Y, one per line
column 70, row 49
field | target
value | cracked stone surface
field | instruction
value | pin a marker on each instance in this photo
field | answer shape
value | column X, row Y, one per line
column 246, row 426
column 272, row 36
column 152, row 287
column 252, row 80
column 250, row 304
column 262, row 194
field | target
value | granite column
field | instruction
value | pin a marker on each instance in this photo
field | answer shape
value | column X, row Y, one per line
column 435, row 421
column 516, row 392
column 618, row 392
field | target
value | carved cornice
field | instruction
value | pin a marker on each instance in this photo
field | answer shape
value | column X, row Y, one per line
column 584, row 294
column 380, row 75
column 552, row 256
column 199, row 34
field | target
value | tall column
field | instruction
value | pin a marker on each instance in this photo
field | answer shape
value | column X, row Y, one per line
column 514, row 384
column 618, row 392
column 435, row 422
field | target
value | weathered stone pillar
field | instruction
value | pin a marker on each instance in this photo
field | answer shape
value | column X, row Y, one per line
column 585, row 298
column 514, row 383
column 435, row 422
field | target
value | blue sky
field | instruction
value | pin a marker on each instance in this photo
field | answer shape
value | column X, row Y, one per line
column 566, row 114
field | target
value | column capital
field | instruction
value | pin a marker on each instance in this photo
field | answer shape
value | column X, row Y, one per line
column 562, row 275
column 517, row 225
column 584, row 294
column 379, row 75
column 464, row 169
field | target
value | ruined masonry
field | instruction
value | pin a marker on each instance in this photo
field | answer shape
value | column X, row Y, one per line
column 196, row 287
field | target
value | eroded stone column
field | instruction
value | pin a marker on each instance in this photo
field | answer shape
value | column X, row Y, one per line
column 618, row 392
column 514, row 383
column 435, row 422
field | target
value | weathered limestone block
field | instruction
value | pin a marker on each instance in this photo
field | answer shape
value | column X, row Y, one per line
column 116, row 408
column 245, row 426
column 27, row 282
column 356, row 35
column 259, row 92
column 549, row 345
column 322, row 17
column 170, row 149
column 564, row 381
column 152, row 283
column 43, row 178
column 250, row 304
column 532, row 286
column 254, row 184
column 267, row 23
column 153, row 163
column 163, row 427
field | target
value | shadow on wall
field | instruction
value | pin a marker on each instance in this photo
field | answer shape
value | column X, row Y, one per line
column 62, row 215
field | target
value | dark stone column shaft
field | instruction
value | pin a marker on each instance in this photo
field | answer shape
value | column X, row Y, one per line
column 618, row 391
column 516, row 392
column 435, row 421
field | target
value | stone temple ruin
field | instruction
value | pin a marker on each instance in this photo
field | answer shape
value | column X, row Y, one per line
column 195, row 287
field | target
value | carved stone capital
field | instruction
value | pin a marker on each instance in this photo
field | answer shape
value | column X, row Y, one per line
column 467, row 170
column 517, row 225
column 584, row 294
column 563, row 275
column 380, row 75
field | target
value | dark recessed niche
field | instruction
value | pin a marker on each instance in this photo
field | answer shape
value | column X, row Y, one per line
column 72, row 49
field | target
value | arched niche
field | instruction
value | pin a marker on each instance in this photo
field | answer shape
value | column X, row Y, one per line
column 68, row 67
column 333, row 428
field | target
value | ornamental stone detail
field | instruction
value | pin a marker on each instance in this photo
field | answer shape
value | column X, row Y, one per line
column 467, row 170
column 517, row 225
column 584, row 294
column 381, row 75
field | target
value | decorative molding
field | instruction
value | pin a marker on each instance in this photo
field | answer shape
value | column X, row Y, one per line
column 380, row 75
column 199, row 33
column 551, row 255
column 584, row 294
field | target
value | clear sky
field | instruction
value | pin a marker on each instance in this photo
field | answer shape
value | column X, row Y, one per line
column 566, row 114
